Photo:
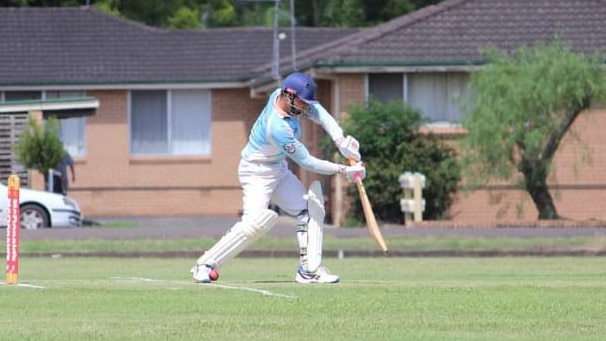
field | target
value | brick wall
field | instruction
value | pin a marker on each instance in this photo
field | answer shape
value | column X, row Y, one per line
column 578, row 186
column 111, row 182
column 348, row 90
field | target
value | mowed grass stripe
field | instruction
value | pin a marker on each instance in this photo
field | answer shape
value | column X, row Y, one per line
column 330, row 243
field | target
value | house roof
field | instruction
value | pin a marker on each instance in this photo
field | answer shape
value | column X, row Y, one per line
column 455, row 32
column 67, row 46
column 86, row 46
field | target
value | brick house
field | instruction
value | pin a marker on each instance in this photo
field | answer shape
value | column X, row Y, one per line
column 163, row 114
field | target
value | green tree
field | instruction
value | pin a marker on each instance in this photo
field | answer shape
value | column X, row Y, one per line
column 350, row 13
column 423, row 3
column 185, row 18
column 390, row 144
column 187, row 14
column 39, row 147
column 250, row 14
column 180, row 14
column 222, row 13
column 523, row 105
column 108, row 6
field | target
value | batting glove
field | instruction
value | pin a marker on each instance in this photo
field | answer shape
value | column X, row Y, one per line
column 355, row 172
column 349, row 147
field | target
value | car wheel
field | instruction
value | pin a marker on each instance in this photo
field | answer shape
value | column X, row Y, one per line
column 34, row 217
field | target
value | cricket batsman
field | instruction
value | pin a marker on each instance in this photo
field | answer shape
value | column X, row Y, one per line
column 264, row 176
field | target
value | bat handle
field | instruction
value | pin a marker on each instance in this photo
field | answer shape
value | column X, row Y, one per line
column 357, row 177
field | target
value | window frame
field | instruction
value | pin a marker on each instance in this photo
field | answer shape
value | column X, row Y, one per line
column 170, row 152
column 81, row 149
column 406, row 93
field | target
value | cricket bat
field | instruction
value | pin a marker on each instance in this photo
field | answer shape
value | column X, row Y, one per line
column 369, row 215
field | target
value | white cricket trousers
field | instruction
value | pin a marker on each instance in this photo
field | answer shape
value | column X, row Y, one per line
column 265, row 182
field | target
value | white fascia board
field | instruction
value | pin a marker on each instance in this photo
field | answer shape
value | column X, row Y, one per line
column 157, row 86
column 395, row 69
column 27, row 106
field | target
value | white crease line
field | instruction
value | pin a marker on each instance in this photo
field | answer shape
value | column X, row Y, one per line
column 141, row 279
column 138, row 279
column 259, row 291
column 25, row 285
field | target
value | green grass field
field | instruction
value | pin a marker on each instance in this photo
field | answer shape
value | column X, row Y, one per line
column 330, row 243
column 256, row 299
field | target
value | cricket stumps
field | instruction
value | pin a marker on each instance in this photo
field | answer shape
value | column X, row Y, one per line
column 12, row 231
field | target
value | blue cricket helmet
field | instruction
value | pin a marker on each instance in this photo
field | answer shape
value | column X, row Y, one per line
column 300, row 85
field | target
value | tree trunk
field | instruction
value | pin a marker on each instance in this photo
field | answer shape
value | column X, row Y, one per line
column 535, row 178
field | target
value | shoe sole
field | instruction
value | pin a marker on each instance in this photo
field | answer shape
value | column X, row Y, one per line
column 300, row 280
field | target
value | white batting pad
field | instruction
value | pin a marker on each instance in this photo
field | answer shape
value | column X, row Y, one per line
column 238, row 238
column 315, row 206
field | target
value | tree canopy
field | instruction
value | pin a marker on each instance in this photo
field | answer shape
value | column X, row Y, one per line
column 39, row 147
column 186, row 14
column 522, row 106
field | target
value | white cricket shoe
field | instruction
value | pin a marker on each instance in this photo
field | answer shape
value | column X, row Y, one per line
column 200, row 273
column 322, row 275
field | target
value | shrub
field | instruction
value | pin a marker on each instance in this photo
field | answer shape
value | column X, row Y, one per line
column 391, row 144
column 39, row 147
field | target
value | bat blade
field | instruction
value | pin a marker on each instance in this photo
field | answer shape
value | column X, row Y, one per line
column 369, row 215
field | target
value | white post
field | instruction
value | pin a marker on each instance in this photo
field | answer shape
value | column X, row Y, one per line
column 418, row 185
column 413, row 204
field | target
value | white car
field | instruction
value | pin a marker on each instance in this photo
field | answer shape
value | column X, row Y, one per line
column 40, row 209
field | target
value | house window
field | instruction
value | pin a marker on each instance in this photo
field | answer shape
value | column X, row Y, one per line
column 173, row 122
column 437, row 94
column 386, row 87
column 22, row 95
column 71, row 129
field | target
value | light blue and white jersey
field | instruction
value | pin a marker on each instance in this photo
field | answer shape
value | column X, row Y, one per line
column 274, row 137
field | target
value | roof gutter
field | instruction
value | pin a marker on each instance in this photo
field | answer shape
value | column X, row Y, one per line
column 145, row 85
column 76, row 103
column 392, row 67
column 260, row 86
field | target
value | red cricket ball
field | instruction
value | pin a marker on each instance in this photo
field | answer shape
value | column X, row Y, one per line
column 213, row 275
